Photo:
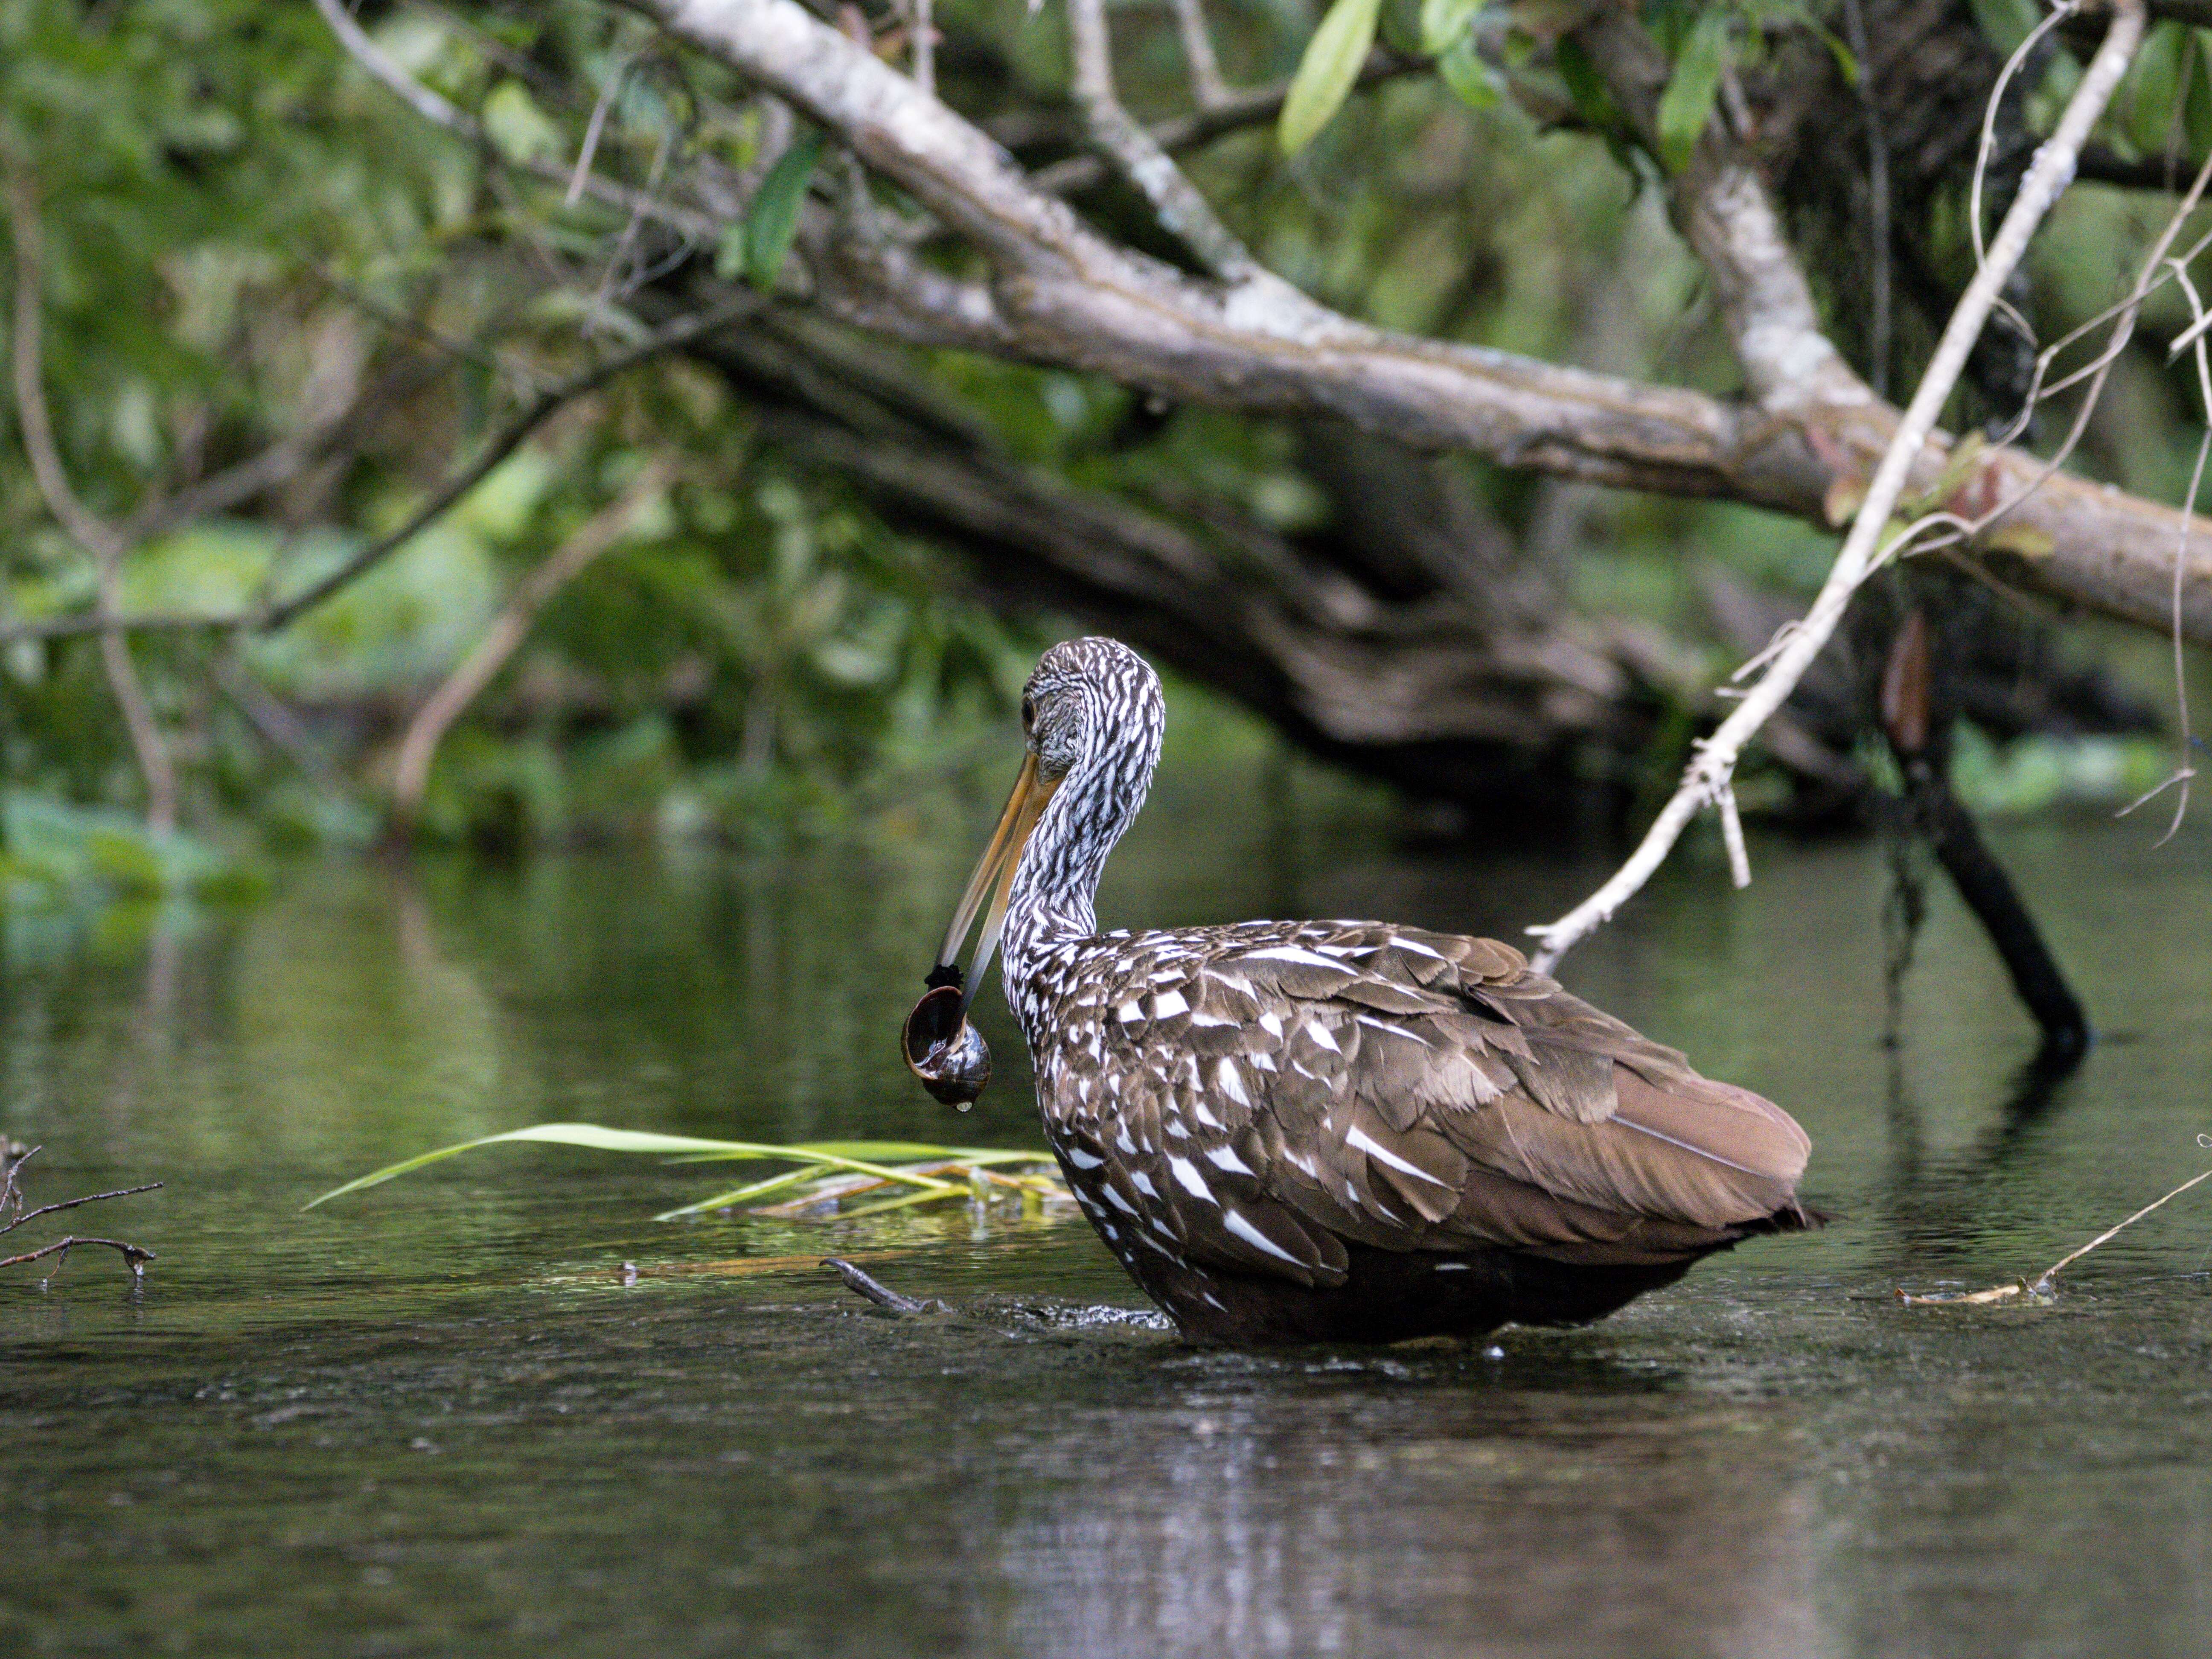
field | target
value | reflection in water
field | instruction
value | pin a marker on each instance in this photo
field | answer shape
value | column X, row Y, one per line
column 1410, row 1520
column 1937, row 1208
column 433, row 1419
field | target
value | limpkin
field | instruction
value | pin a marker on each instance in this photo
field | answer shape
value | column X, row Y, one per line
column 1326, row 1131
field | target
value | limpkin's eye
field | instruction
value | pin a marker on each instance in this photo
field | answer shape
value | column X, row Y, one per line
column 1028, row 714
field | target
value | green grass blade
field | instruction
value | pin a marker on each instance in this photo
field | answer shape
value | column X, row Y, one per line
column 859, row 1157
column 875, row 1151
column 746, row 1195
column 906, row 1202
column 776, row 1183
column 590, row 1135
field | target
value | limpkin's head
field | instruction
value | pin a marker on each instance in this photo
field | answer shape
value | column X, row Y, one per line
column 1091, row 706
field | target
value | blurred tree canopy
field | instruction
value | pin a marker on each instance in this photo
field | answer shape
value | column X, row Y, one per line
column 776, row 387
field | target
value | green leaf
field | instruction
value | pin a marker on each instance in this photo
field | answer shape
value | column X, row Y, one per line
column 2196, row 100
column 1474, row 83
column 127, row 860
column 2006, row 23
column 1847, row 65
column 730, row 251
column 1585, row 88
column 2155, row 85
column 518, row 129
column 750, row 1192
column 1688, row 103
column 1443, row 24
column 773, row 218
column 876, row 1151
column 1327, row 71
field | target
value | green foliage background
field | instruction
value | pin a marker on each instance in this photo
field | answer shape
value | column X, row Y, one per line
column 241, row 224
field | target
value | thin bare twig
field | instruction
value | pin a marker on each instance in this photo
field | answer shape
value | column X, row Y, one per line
column 601, row 301
column 2184, row 769
column 106, row 545
column 504, row 443
column 592, row 129
column 2045, row 1283
column 1177, row 203
column 135, row 1256
column 507, row 631
column 1864, row 548
column 1206, row 83
column 73, row 1203
column 699, row 227
column 283, row 729
column 1237, row 109
column 2043, row 1280
column 923, row 48
column 12, row 1157
column 2059, row 13
column 2159, row 268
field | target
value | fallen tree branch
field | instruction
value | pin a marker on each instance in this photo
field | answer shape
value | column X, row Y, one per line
column 1412, row 641
column 1061, row 293
column 1865, row 547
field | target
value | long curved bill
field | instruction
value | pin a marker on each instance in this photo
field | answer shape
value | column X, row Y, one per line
column 994, row 879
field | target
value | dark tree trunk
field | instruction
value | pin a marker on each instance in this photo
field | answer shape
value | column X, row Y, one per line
column 1920, row 704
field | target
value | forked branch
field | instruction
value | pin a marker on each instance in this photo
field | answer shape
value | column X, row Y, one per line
column 102, row 542
column 1176, row 202
column 507, row 631
column 12, row 1157
column 1707, row 781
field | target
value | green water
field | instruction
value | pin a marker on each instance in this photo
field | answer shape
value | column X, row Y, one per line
column 433, row 1418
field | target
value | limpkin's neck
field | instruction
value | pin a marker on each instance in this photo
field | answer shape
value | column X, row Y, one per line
column 1056, row 883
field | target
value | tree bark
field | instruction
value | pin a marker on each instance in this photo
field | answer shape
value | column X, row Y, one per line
column 1416, row 686
column 1059, row 293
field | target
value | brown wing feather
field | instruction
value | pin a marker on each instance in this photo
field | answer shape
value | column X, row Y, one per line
column 1269, row 1093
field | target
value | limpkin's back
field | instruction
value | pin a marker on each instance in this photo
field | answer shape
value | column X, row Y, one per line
column 1303, row 1130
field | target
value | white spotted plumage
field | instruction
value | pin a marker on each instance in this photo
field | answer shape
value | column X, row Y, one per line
column 1257, row 1103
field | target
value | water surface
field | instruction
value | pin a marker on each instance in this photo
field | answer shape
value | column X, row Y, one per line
column 435, row 1418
